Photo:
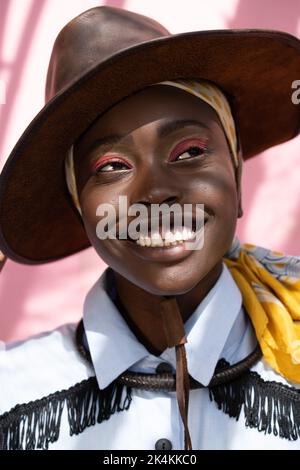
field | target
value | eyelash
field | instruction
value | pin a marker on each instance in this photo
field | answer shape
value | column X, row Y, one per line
column 186, row 146
column 110, row 160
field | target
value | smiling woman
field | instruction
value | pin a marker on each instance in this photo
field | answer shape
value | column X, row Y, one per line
column 166, row 329
column 149, row 171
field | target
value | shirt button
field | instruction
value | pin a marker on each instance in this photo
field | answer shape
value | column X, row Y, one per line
column 164, row 367
column 163, row 444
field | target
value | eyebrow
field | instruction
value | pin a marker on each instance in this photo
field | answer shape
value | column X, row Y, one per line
column 171, row 126
column 163, row 131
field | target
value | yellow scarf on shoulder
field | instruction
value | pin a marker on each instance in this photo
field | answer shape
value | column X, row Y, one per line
column 270, row 286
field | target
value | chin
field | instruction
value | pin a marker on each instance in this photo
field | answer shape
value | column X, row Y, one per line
column 168, row 286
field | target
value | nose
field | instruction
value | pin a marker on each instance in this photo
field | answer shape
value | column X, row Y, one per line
column 157, row 188
column 158, row 199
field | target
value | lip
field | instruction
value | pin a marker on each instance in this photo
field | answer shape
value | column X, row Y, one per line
column 172, row 253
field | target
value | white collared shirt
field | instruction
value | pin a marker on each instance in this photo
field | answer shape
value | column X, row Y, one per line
column 218, row 328
column 207, row 330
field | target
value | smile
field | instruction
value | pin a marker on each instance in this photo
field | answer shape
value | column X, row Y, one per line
column 169, row 238
column 170, row 248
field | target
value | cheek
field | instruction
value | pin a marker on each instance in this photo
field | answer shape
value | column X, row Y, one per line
column 225, row 197
column 91, row 200
column 217, row 190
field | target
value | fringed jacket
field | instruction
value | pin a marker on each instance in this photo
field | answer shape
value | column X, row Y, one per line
column 53, row 398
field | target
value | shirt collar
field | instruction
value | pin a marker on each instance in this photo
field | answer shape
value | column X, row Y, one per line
column 209, row 326
column 114, row 348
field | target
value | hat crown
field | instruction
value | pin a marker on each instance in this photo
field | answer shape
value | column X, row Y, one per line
column 91, row 38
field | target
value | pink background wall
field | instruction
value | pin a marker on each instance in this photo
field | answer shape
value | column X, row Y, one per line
column 34, row 299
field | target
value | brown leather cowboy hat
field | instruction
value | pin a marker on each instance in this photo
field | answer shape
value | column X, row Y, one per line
column 104, row 55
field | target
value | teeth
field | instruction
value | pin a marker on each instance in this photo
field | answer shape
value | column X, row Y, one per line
column 189, row 234
column 170, row 238
column 178, row 236
column 156, row 240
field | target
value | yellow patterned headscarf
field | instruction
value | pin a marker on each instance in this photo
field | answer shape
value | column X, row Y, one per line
column 269, row 281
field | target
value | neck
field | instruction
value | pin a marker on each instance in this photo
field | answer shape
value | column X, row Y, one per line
column 141, row 309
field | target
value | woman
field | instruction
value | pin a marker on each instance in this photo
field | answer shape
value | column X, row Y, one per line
column 177, row 339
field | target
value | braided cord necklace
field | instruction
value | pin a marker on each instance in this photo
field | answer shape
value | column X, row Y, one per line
column 166, row 380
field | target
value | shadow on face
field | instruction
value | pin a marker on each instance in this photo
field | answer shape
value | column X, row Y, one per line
column 160, row 145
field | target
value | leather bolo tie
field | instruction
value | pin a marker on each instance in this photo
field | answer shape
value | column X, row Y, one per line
column 180, row 382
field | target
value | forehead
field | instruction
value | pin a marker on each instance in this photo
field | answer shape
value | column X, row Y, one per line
column 147, row 106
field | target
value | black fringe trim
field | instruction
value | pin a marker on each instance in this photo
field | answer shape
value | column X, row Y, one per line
column 270, row 407
column 36, row 424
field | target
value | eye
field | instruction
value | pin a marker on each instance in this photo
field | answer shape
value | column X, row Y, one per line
column 108, row 165
column 188, row 149
column 112, row 166
column 191, row 152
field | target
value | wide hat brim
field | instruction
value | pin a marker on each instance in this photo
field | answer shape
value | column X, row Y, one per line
column 255, row 68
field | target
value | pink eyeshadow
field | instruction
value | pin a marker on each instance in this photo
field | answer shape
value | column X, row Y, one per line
column 101, row 161
column 192, row 142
